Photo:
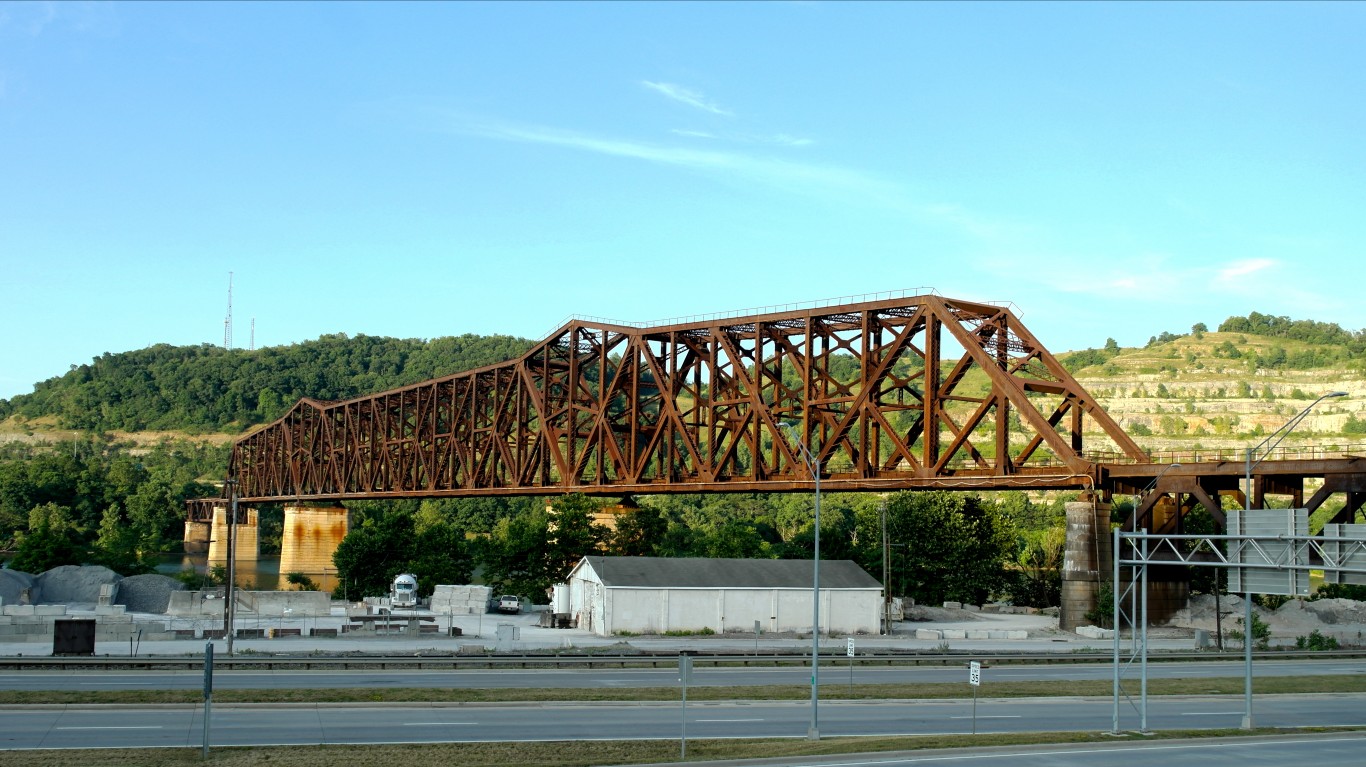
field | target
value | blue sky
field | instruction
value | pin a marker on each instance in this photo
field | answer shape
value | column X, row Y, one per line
column 1115, row 170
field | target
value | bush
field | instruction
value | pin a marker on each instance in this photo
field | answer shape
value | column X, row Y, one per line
column 1340, row 591
column 304, row 582
column 1270, row 601
column 1316, row 641
column 1104, row 612
column 1261, row 633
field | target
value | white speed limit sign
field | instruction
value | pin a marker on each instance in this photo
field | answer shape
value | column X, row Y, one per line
column 974, row 673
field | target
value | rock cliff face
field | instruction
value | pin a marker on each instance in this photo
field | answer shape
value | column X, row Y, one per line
column 1189, row 394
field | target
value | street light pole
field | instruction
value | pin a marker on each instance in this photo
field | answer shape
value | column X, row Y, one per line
column 229, row 613
column 1277, row 436
column 812, row 463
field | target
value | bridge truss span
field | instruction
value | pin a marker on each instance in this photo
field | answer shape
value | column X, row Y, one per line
column 909, row 392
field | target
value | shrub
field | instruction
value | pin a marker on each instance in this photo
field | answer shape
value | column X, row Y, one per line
column 1340, row 591
column 1316, row 641
column 1261, row 633
column 1104, row 612
column 304, row 582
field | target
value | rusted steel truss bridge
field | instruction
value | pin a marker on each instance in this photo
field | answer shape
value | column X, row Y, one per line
column 913, row 391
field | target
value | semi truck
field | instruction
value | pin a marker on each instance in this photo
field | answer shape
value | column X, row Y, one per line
column 404, row 591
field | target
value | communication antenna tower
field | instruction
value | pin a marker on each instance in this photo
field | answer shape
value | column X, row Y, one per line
column 227, row 321
column 252, row 341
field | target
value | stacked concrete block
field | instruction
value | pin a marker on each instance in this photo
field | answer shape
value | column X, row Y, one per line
column 1095, row 632
column 460, row 600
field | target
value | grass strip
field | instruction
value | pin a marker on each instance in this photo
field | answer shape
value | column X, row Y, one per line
column 569, row 753
column 833, row 691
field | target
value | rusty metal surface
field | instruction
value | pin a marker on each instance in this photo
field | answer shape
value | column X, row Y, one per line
column 904, row 392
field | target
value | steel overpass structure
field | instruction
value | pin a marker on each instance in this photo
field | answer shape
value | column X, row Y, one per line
column 889, row 392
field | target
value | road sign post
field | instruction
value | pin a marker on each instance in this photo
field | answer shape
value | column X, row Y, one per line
column 684, row 675
column 208, row 693
column 850, row 653
column 974, row 679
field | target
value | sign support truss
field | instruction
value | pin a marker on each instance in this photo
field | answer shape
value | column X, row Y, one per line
column 1282, row 553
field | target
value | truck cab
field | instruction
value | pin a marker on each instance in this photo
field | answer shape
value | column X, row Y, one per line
column 404, row 591
column 509, row 604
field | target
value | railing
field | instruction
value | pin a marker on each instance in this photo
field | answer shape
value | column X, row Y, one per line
column 1235, row 454
column 643, row 660
column 797, row 306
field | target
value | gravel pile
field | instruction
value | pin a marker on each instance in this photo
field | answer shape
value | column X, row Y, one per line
column 70, row 584
column 147, row 593
column 1320, row 613
column 12, row 585
column 1344, row 618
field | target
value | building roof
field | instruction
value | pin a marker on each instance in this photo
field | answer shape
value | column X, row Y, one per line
column 702, row 573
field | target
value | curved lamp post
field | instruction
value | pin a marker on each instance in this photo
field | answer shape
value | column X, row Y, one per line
column 813, row 464
column 1264, row 447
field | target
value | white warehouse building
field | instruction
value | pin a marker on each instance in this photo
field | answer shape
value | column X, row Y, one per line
column 652, row 595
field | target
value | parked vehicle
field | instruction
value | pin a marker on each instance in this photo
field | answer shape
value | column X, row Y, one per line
column 404, row 591
column 509, row 604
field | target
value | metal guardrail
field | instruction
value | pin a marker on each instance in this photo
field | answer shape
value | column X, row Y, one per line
column 655, row 660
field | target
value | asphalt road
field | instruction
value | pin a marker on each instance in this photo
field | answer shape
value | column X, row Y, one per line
column 831, row 674
column 153, row 726
column 1336, row 750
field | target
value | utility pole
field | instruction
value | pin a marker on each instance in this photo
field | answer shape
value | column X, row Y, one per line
column 229, row 608
column 886, row 567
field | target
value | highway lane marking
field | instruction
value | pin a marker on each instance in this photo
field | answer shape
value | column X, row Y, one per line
column 1210, row 713
column 437, row 724
column 126, row 727
column 993, row 716
column 727, row 720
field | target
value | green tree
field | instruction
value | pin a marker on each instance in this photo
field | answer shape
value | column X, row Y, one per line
column 52, row 540
column 369, row 557
column 516, row 554
column 638, row 533
column 955, row 547
column 1036, row 577
column 572, row 536
column 440, row 554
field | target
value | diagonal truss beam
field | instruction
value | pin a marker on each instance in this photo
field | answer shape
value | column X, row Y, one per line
column 914, row 392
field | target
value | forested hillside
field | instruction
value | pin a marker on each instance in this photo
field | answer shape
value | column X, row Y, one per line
column 208, row 388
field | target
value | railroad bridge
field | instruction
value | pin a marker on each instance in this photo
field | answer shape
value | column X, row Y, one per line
column 891, row 392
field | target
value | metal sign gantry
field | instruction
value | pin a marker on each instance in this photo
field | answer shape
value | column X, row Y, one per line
column 1340, row 550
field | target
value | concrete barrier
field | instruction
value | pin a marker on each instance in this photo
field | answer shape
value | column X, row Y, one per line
column 1095, row 632
column 929, row 634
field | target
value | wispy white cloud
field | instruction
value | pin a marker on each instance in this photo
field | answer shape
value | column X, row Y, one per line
column 799, row 177
column 693, row 133
column 781, row 139
column 686, row 96
column 1244, row 268
column 34, row 19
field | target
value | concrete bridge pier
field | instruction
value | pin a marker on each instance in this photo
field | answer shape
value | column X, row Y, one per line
column 1088, row 561
column 197, row 536
column 248, row 542
column 311, row 537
